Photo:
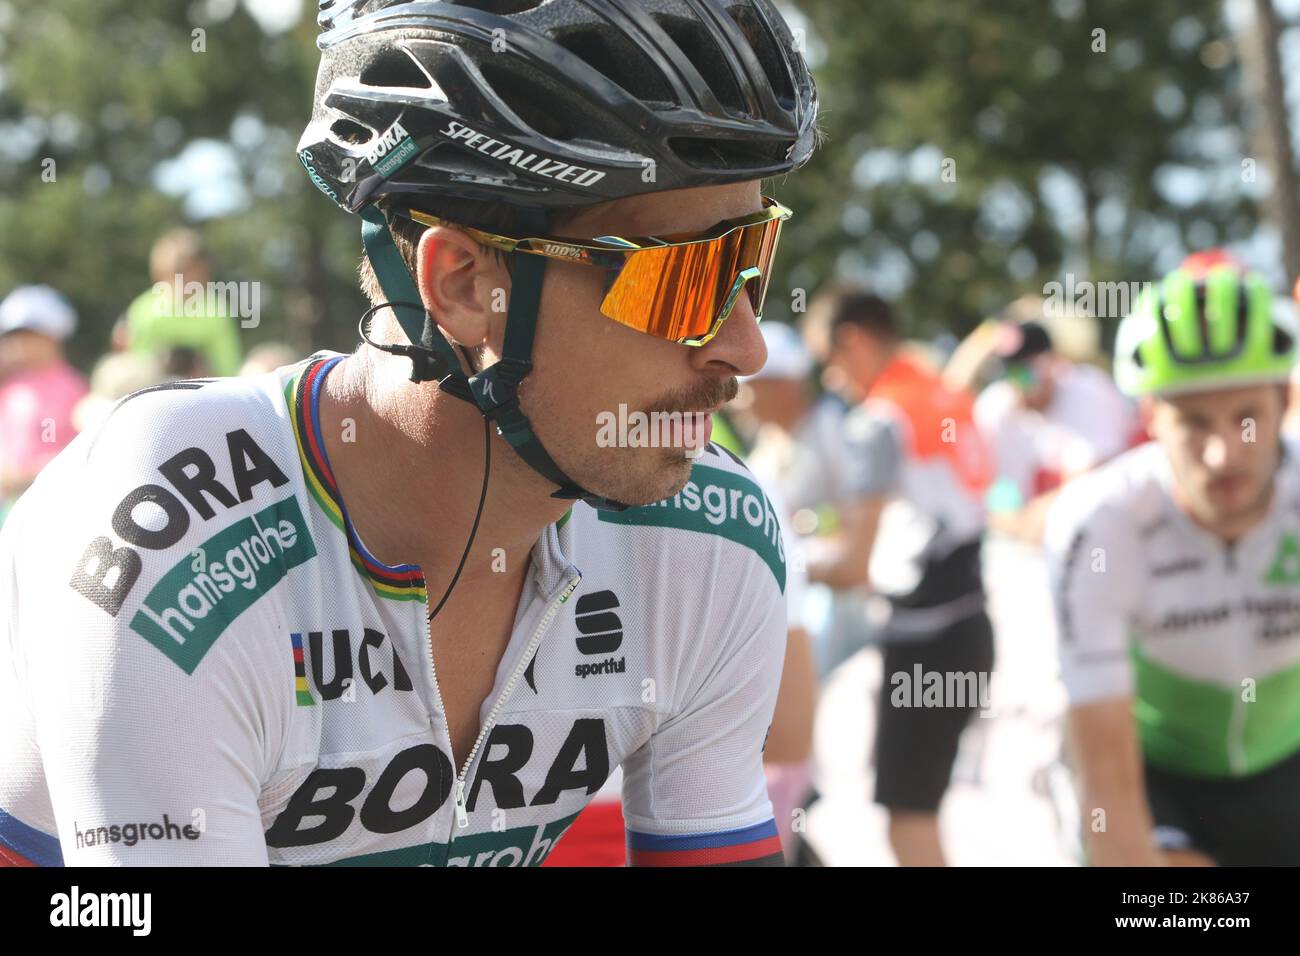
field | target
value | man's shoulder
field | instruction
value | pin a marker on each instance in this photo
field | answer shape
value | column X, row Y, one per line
column 169, row 519
column 1122, row 496
column 724, row 509
column 196, row 419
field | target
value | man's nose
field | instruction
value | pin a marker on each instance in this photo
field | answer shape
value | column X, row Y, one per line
column 738, row 343
column 1224, row 450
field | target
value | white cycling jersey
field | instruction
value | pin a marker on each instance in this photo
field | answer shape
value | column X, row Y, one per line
column 1203, row 635
column 202, row 663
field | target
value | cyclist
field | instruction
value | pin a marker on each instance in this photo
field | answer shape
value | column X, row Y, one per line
column 1176, row 578
column 218, row 644
column 1046, row 420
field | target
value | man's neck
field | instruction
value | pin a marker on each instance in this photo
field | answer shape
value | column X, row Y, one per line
column 411, row 474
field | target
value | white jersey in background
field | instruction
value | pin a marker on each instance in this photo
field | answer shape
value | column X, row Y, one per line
column 1203, row 635
column 1087, row 422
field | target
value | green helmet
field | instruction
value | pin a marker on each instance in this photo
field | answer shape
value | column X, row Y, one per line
column 1192, row 333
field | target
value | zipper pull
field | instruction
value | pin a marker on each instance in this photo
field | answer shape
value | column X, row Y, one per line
column 462, row 815
column 573, row 586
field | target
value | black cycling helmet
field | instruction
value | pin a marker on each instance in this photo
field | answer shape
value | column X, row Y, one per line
column 539, row 105
column 553, row 102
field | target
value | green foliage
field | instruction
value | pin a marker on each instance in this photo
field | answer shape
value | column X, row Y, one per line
column 108, row 90
column 1011, row 92
column 1021, row 100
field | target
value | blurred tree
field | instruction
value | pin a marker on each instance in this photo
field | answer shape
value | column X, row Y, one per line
column 99, row 98
column 1262, row 63
column 974, row 151
column 979, row 150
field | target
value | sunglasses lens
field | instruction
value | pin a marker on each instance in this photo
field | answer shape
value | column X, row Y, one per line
column 678, row 292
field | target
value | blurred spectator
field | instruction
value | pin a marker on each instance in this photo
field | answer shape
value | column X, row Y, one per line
column 796, row 454
column 181, row 362
column 178, row 311
column 911, row 525
column 38, row 388
column 1047, row 419
column 267, row 357
column 115, row 376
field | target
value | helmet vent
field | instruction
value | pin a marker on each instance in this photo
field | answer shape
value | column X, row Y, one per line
column 531, row 103
column 347, row 131
column 719, row 154
column 703, row 54
column 502, row 8
column 1283, row 343
column 765, row 49
column 395, row 67
column 614, row 57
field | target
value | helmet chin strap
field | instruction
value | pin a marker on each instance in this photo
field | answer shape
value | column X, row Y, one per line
column 494, row 390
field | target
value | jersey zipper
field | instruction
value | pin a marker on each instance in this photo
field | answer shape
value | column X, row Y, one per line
column 462, row 814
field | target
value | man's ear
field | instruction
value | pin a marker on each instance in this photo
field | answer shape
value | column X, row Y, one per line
column 462, row 285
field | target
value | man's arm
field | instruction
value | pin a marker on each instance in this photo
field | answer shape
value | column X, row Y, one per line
column 1026, row 523
column 118, row 752
column 842, row 561
column 873, row 463
column 1112, row 795
column 1096, row 568
column 695, row 793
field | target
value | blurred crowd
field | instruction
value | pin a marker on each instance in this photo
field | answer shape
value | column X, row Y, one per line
column 165, row 333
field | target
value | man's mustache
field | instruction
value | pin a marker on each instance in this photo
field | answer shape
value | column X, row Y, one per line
column 707, row 395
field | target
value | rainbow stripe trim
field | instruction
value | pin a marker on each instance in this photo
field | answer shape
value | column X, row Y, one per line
column 704, row 849
column 404, row 582
column 303, row 692
column 23, row 845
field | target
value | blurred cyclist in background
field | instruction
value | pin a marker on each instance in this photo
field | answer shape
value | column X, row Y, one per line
column 1047, row 420
column 38, row 388
column 1176, row 577
column 911, row 524
column 198, row 338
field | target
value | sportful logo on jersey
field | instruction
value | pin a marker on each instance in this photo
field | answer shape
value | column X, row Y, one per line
column 200, row 597
column 602, row 633
column 396, row 140
column 516, row 156
column 717, row 502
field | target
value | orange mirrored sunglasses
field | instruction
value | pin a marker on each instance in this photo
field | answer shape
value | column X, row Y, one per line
column 680, row 288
